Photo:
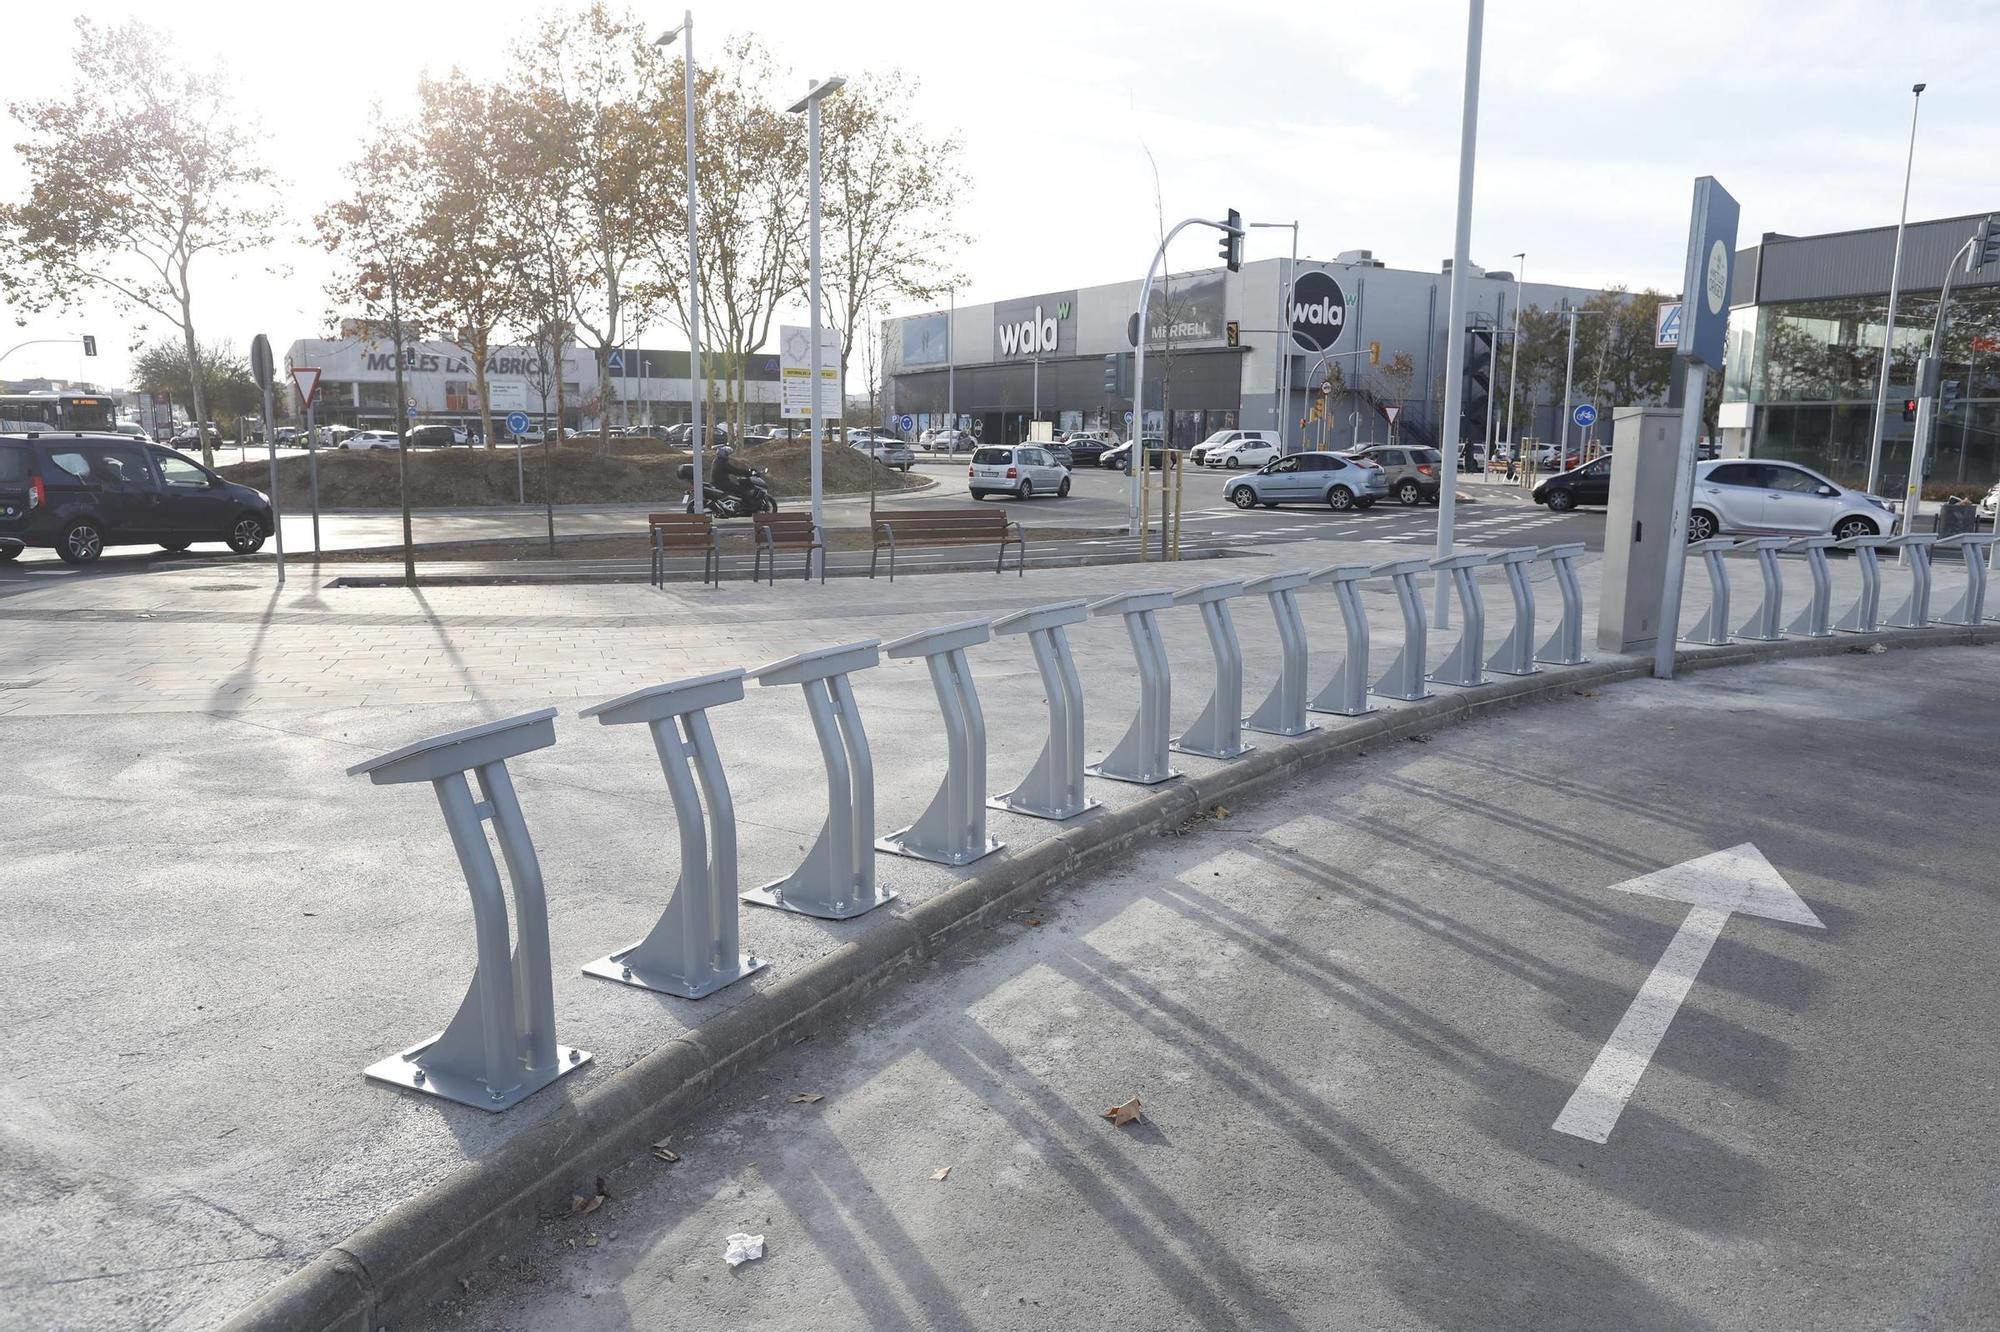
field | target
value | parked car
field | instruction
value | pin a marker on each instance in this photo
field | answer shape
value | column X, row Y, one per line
column 433, row 436
column 1086, row 449
column 1250, row 449
column 187, row 437
column 873, row 434
column 1588, row 484
column 681, row 436
column 78, row 493
column 1119, row 459
column 1022, row 470
column 1060, row 451
column 362, row 440
column 1201, row 453
column 1338, row 482
column 132, row 429
column 1415, row 473
column 1757, row 497
column 890, row 453
column 1989, row 508
column 952, row 441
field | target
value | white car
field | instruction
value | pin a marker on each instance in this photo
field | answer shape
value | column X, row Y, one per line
column 952, row 441
column 1759, row 497
column 1990, row 506
column 1200, row 454
column 1021, row 470
column 369, row 439
column 1252, row 452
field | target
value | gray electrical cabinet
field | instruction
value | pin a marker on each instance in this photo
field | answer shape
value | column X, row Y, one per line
column 1645, row 446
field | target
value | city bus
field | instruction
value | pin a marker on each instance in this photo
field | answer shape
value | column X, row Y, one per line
column 34, row 413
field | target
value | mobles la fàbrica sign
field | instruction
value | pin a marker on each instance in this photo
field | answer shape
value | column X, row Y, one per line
column 1035, row 326
column 451, row 363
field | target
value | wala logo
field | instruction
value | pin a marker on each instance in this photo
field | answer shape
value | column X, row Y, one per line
column 1037, row 335
column 1318, row 310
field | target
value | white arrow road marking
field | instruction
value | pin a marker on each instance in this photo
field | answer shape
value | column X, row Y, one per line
column 1717, row 886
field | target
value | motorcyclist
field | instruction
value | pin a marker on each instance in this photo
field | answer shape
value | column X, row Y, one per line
column 727, row 475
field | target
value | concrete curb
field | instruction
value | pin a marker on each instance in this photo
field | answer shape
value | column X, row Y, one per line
column 392, row 1268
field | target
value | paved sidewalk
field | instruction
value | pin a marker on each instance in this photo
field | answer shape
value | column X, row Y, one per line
column 212, row 930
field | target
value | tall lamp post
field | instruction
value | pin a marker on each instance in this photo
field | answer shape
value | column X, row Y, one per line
column 697, row 381
column 1889, row 327
column 1514, row 356
column 816, row 91
column 1572, row 314
column 1454, row 357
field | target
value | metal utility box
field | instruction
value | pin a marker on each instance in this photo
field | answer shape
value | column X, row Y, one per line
column 1645, row 445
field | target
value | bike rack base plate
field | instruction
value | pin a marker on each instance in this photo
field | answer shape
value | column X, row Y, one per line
column 1006, row 802
column 1307, row 729
column 894, row 844
column 1095, row 770
column 1343, row 712
column 614, row 968
column 1236, row 753
column 402, row 1070
column 772, row 895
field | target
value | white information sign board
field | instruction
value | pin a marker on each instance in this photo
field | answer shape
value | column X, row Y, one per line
column 795, row 371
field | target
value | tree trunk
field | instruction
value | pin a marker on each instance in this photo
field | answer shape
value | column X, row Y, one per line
column 604, row 398
column 481, row 345
column 195, row 387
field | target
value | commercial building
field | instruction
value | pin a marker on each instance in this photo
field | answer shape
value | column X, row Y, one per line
column 999, row 365
column 646, row 387
column 1805, row 351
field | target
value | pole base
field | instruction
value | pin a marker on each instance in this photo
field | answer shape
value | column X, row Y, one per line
column 1455, row 684
column 1361, row 711
column 1563, row 661
column 1307, row 729
column 1098, row 770
column 1235, row 753
column 405, row 1069
column 615, row 968
column 897, row 843
column 1403, row 698
column 1010, row 805
column 773, row 895
column 1501, row 670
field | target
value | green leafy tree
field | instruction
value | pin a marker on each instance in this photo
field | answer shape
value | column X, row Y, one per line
column 225, row 385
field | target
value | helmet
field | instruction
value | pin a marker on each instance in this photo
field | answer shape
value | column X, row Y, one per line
column 723, row 450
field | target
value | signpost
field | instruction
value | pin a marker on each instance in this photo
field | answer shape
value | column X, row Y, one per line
column 517, row 423
column 262, row 369
column 517, row 426
column 305, row 382
column 906, row 423
column 1585, row 415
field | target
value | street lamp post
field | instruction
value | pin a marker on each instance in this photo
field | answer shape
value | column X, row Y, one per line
column 1572, row 314
column 697, row 382
column 1895, row 280
column 1454, row 358
column 816, row 91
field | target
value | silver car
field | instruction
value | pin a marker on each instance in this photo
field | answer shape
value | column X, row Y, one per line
column 1021, row 470
column 1311, row 478
column 1758, row 497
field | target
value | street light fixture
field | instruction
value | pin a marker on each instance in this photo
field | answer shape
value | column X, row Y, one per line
column 817, row 90
column 697, row 381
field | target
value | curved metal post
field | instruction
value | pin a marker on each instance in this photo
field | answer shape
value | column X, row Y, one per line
column 1565, row 645
column 1516, row 653
column 1816, row 620
column 1463, row 665
column 1970, row 608
column 1713, row 626
column 693, row 948
column 952, row 828
column 1762, row 626
column 836, row 880
column 1053, row 788
column 1283, row 711
column 1142, row 755
column 1346, row 694
column 1863, row 616
column 1915, row 612
column 500, row 1046
column 1218, row 732
column 1405, row 676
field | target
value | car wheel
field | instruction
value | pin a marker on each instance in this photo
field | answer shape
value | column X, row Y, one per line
column 1243, row 497
column 175, row 546
column 80, row 543
column 1339, row 499
column 1062, row 491
column 10, row 553
column 1560, row 501
column 1854, row 525
column 1027, row 488
column 979, row 494
column 1409, row 492
column 1231, row 463
column 247, row 534
column 1701, row 525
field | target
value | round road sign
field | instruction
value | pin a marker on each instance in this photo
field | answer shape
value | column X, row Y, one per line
column 1584, row 415
column 906, row 422
column 517, row 423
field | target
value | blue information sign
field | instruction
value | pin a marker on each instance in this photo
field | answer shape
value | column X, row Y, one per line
column 517, row 423
column 1584, row 415
column 411, row 411
column 1711, row 256
column 906, row 422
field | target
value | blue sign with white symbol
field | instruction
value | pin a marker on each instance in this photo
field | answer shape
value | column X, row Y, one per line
column 617, row 361
column 517, row 423
column 411, row 411
column 1584, row 415
column 906, row 423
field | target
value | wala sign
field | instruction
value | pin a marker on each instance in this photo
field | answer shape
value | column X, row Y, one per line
column 1037, row 326
column 1318, row 311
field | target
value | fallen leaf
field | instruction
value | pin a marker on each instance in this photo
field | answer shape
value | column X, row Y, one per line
column 580, row 1205
column 805, row 1098
column 665, row 1153
column 465, row 1284
column 1222, row 811
column 1124, row 1114
column 941, row 1173
column 590, row 1243
column 1034, row 920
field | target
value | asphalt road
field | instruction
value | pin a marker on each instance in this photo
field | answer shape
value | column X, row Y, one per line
column 1354, row 1016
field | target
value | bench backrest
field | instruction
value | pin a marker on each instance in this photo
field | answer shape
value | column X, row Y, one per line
column 680, row 528
column 913, row 525
column 784, row 529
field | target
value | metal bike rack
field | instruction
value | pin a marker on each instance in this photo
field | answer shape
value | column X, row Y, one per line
column 1713, row 626
column 836, row 880
column 1405, row 677
column 1053, row 788
column 1346, row 694
column 1218, row 732
column 1516, row 653
column 1565, row 645
column 1463, row 666
column 1142, row 755
column 1863, row 616
column 952, row 828
column 1915, row 612
column 1283, row 711
column 500, row 1047
column 1762, row 626
column 1816, row 620
column 692, row 949
column 1970, row 608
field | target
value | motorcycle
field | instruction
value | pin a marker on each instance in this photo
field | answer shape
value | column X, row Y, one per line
column 726, row 504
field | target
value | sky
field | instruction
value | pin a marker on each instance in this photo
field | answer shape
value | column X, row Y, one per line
column 1080, row 123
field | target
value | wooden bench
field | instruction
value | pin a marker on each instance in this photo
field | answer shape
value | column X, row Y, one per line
column 948, row 527
column 675, row 532
column 785, row 531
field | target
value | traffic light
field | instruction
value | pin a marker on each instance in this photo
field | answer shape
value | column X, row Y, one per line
column 1231, row 252
column 1235, row 332
column 1947, row 396
column 89, row 345
column 1909, row 409
column 1374, row 353
column 1987, row 251
column 1114, row 376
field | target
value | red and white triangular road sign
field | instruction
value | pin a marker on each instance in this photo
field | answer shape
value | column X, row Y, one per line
column 1392, row 413
column 306, row 380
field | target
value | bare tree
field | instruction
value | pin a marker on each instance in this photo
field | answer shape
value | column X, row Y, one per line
column 142, row 169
